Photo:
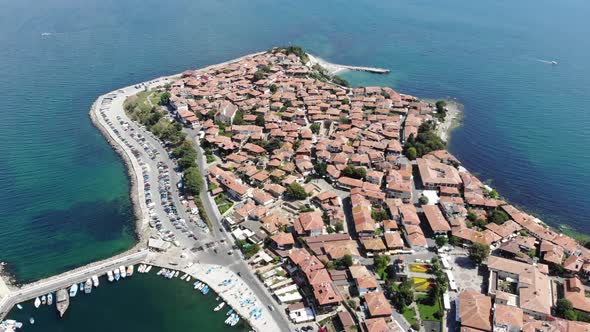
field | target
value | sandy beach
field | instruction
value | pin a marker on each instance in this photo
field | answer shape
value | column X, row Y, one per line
column 452, row 120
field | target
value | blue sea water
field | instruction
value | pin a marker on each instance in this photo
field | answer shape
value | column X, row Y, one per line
column 64, row 193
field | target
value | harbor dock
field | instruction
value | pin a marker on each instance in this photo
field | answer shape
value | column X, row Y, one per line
column 65, row 280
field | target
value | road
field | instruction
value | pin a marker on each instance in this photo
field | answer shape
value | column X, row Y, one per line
column 221, row 239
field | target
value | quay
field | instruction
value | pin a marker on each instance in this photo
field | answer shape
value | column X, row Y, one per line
column 366, row 69
column 66, row 279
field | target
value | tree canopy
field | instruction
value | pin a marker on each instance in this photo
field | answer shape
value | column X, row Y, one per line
column 192, row 180
column 315, row 127
column 355, row 172
column 426, row 141
column 479, row 252
column 296, row 191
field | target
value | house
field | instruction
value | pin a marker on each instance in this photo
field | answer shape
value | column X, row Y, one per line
column 415, row 237
column 438, row 224
column 226, row 112
column 508, row 318
column 575, row 292
column 299, row 313
column 364, row 280
column 378, row 325
column 436, row 174
column 283, row 241
column 346, row 321
column 377, row 305
column 373, row 245
column 520, row 284
column 474, row 311
column 309, row 223
column 393, row 241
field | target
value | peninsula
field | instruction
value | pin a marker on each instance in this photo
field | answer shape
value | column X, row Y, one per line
column 308, row 204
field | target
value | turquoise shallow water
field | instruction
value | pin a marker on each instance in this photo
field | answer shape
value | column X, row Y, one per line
column 146, row 303
column 64, row 193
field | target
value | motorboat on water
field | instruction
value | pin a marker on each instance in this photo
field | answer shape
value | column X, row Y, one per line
column 230, row 318
column 95, row 282
column 110, row 276
column 88, row 286
column 73, row 290
column 81, row 286
column 49, row 299
column 235, row 321
column 63, row 301
column 140, row 268
column 219, row 306
column 32, row 320
column 123, row 271
column 183, row 276
column 231, row 311
column 196, row 284
column 188, row 279
column 43, row 300
column 205, row 290
column 176, row 274
column 20, row 307
column 129, row 270
column 148, row 269
column 117, row 274
column 37, row 302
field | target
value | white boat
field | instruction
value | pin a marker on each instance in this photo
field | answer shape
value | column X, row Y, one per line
column 95, row 281
column 20, row 307
column 147, row 270
column 159, row 272
column 49, row 299
column 43, row 300
column 196, row 284
column 176, row 274
column 188, row 278
column 141, row 268
column 88, row 286
column 553, row 62
column 110, row 275
column 183, row 276
column 32, row 320
column 37, row 302
column 123, row 271
column 219, row 306
column 73, row 290
column 129, row 270
column 117, row 274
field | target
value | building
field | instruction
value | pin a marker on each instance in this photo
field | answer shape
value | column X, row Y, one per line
column 575, row 292
column 377, row 305
column 436, row 174
column 363, row 279
column 438, row 224
column 507, row 318
column 474, row 311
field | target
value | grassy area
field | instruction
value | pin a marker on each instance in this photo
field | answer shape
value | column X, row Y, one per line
column 223, row 203
column 427, row 310
column 409, row 314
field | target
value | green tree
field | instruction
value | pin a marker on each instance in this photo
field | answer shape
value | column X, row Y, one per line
column 321, row 169
column 497, row 216
column 565, row 309
column 315, row 127
column 404, row 294
column 479, row 252
column 441, row 240
column 258, row 75
column 423, row 200
column 296, row 191
column 192, row 181
column 339, row 227
column 347, row 260
column 381, row 262
column 355, row 172
column 440, row 106
column 411, row 153
column 260, row 120
column 165, row 98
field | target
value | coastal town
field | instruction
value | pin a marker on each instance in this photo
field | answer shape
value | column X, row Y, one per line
column 334, row 208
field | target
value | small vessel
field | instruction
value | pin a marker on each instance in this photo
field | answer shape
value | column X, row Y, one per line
column 183, row 276
column 32, row 320
column 553, row 62
column 188, row 278
column 219, row 306
column 231, row 311
column 110, row 276
column 159, row 272
column 43, row 300
column 20, row 307
column 63, row 301
column 88, row 286
column 176, row 274
column 95, row 280
column 123, row 271
column 196, row 284
column 147, row 270
column 129, row 270
column 235, row 321
column 49, row 299
column 37, row 302
column 230, row 318
column 73, row 290
column 81, row 286
column 205, row 290
column 117, row 274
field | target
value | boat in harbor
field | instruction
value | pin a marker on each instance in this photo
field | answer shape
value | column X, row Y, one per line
column 183, row 276
column 43, row 300
column 63, row 301
column 110, row 276
column 176, row 274
column 129, row 270
column 231, row 311
column 32, row 320
column 88, row 286
column 49, row 299
column 20, row 307
column 73, row 290
column 235, row 321
column 230, row 318
column 160, row 272
column 37, row 302
column 81, row 286
column 148, row 269
column 95, row 281
column 188, row 279
column 196, row 284
column 117, row 274
column 205, row 290
column 219, row 306
column 123, row 271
